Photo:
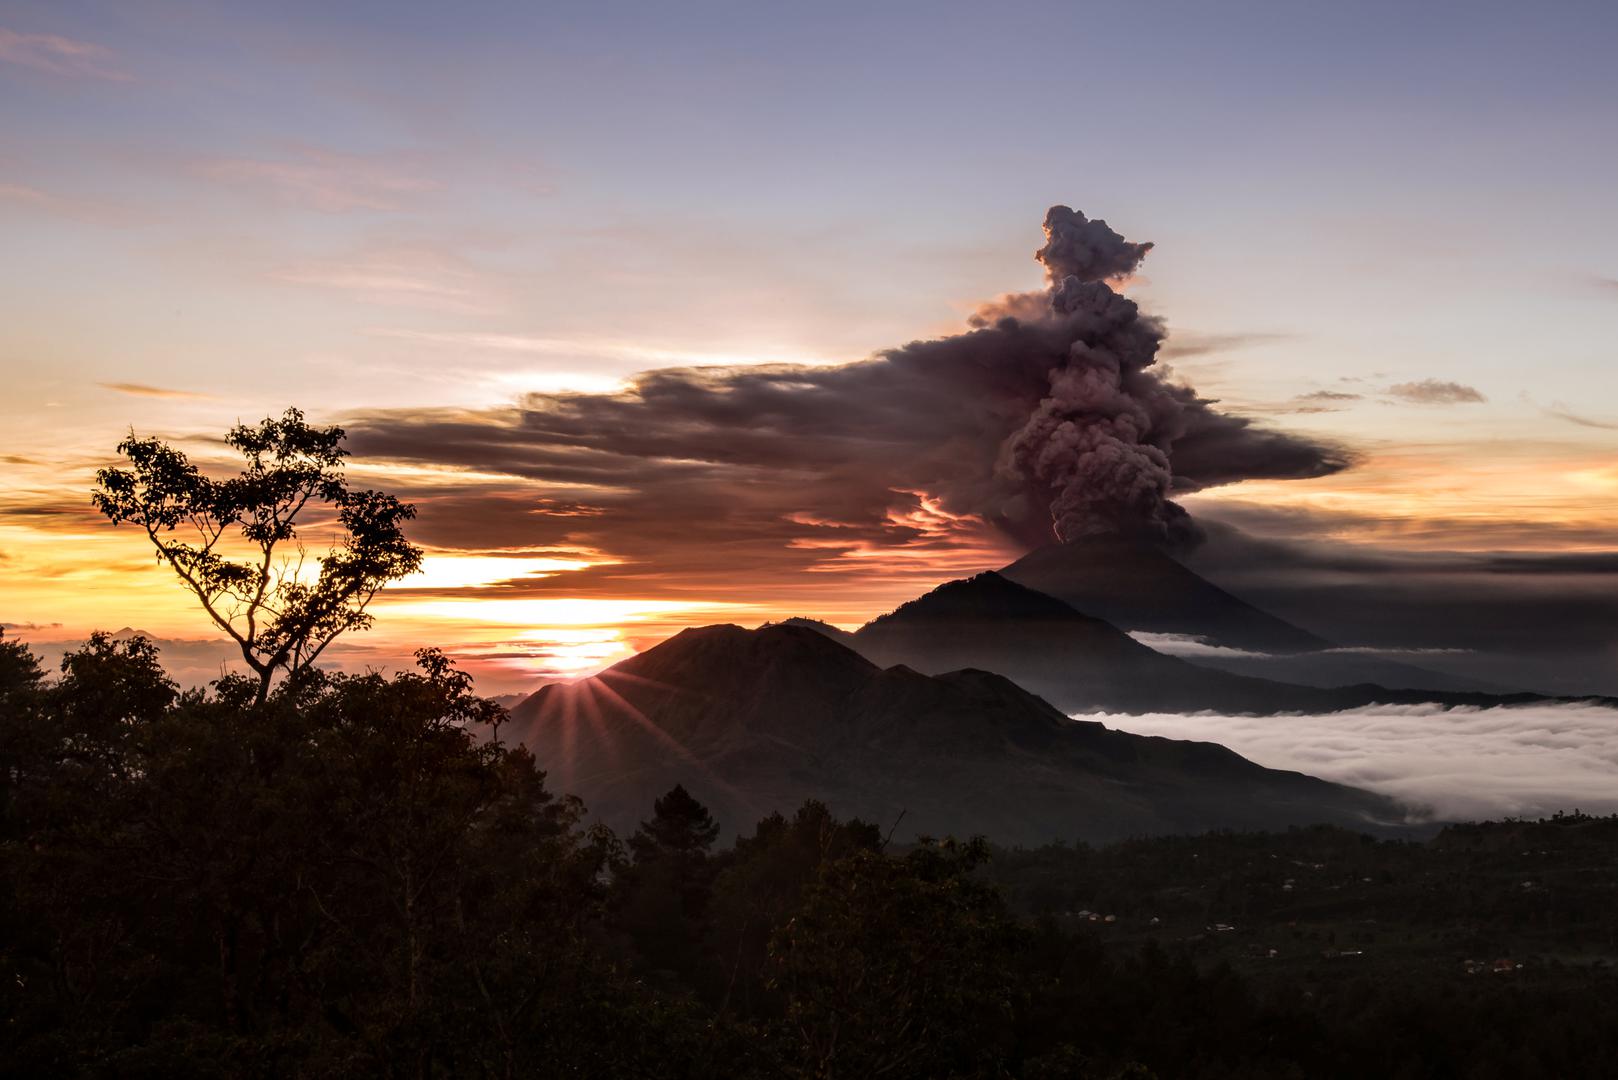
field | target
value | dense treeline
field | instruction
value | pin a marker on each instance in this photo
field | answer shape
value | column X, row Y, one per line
column 357, row 877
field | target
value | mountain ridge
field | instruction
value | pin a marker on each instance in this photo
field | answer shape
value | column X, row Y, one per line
column 753, row 721
column 1084, row 664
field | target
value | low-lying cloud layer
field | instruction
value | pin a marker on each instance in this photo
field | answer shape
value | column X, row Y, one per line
column 1458, row 764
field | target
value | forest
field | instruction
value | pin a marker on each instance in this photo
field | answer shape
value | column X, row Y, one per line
column 356, row 875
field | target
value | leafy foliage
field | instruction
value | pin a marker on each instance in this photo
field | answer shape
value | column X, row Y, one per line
column 280, row 609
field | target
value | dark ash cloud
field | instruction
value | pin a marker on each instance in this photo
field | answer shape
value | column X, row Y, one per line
column 1048, row 418
column 1077, row 247
column 1436, row 392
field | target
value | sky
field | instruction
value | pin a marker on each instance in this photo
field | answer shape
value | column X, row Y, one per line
column 1384, row 229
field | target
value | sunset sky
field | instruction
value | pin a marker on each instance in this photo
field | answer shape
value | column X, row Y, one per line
column 423, row 224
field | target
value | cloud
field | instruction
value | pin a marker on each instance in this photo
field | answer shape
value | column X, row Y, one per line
column 1318, row 401
column 67, row 206
column 1436, row 392
column 1563, row 412
column 1183, row 345
column 1047, row 418
column 524, row 348
column 24, row 194
column 1462, row 763
column 142, row 390
column 60, row 56
column 1191, row 646
column 326, row 181
column 399, row 276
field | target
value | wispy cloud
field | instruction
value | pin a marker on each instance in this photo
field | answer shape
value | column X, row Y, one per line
column 60, row 56
column 1562, row 412
column 1183, row 344
column 399, row 277
column 324, row 180
column 24, row 194
column 142, row 390
column 630, row 352
column 1435, row 392
column 1318, row 401
column 67, row 206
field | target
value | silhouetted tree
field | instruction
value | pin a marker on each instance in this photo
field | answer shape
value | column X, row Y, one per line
column 238, row 547
column 763, row 885
column 663, row 895
column 680, row 826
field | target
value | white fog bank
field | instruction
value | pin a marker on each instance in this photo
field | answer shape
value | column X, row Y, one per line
column 1462, row 763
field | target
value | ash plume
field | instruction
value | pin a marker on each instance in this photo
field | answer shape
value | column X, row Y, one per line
column 1111, row 438
column 1078, row 247
column 1047, row 419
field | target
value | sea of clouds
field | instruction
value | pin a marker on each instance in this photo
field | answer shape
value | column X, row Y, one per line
column 1454, row 763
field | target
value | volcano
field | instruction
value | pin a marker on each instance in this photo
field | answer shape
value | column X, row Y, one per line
column 752, row 721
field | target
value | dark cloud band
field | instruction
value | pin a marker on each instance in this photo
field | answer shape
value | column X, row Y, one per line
column 1047, row 419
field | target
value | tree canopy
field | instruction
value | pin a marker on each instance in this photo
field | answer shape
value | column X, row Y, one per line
column 373, row 885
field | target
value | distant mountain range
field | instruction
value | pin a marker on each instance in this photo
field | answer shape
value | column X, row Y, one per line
column 758, row 720
column 1084, row 664
column 931, row 712
column 1140, row 587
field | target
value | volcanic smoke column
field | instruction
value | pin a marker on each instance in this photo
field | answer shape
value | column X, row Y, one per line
column 1098, row 444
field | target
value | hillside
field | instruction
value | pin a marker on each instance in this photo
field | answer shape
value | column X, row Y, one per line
column 752, row 720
